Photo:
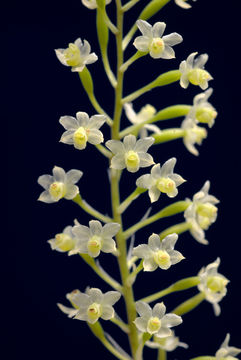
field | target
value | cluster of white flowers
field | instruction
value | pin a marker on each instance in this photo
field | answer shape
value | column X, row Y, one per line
column 131, row 153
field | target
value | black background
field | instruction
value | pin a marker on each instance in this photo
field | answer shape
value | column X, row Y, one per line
column 40, row 91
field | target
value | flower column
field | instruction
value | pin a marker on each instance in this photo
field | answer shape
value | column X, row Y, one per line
column 115, row 174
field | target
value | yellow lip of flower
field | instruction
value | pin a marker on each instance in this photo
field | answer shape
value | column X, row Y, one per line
column 162, row 258
column 132, row 159
column 94, row 245
column 57, row 190
column 80, row 137
column 94, row 311
column 216, row 283
column 165, row 185
column 64, row 242
column 157, row 46
column 153, row 325
column 198, row 76
column 72, row 55
column 205, row 115
column 207, row 210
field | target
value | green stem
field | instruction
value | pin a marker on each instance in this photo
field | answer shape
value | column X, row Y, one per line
column 133, row 196
column 104, row 151
column 168, row 113
column 178, row 229
column 132, row 277
column 170, row 210
column 129, row 5
column 162, row 354
column 180, row 285
column 103, row 275
column 87, row 208
column 121, row 324
column 164, row 79
column 135, row 57
column 97, row 330
column 168, row 135
column 204, row 358
column 189, row 304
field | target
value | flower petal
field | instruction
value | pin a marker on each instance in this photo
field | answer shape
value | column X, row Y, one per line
column 144, row 181
column 141, row 324
column 45, row 181
column 142, row 251
column 149, row 264
column 169, row 242
column 115, row 146
column 167, row 167
column 111, row 297
column 168, row 53
column 170, row 320
column 145, row 159
column 154, row 242
column 163, row 332
column 95, row 227
column 82, row 119
column 108, row 245
column 172, row 39
column 71, row 191
column 142, row 145
column 158, row 29
column 96, row 121
column 73, row 176
column 95, row 137
column 118, row 162
column 46, row 197
column 107, row 312
column 69, row 122
column 95, row 295
column 59, row 174
column 144, row 27
column 159, row 310
column 110, row 229
column 143, row 309
column 154, row 193
column 141, row 43
column 129, row 142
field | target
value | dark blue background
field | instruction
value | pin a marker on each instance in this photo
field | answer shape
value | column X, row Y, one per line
column 40, row 91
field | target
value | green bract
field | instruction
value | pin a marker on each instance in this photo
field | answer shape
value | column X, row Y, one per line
column 60, row 185
column 153, row 42
column 161, row 180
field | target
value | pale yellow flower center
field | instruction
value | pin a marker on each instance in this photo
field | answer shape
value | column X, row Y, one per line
column 72, row 55
column 94, row 245
column 64, row 242
column 57, row 190
column 205, row 115
column 198, row 76
column 94, row 311
column 146, row 112
column 162, row 258
column 166, row 185
column 153, row 325
column 199, row 132
column 207, row 209
column 157, row 46
column 80, row 137
column 216, row 283
column 132, row 159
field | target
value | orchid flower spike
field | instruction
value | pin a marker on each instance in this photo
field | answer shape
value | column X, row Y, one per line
column 77, row 55
column 192, row 71
column 60, row 185
column 153, row 42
